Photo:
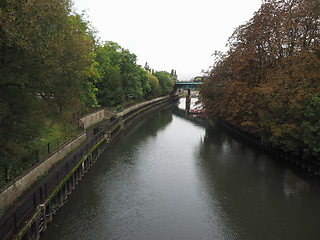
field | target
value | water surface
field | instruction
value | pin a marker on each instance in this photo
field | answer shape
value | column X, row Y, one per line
column 170, row 178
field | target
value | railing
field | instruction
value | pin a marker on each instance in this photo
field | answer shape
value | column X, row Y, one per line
column 14, row 222
column 57, row 182
column 9, row 171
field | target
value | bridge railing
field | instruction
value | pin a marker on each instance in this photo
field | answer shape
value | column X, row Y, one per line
column 188, row 85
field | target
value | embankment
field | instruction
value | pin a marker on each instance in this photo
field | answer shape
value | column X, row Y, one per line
column 30, row 215
column 310, row 165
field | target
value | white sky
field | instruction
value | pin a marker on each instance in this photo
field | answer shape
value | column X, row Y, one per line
column 169, row 34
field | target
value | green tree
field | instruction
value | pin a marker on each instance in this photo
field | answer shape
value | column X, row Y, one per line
column 144, row 79
column 133, row 78
column 166, row 82
column 147, row 68
column 173, row 74
column 130, row 75
column 311, row 128
column 43, row 61
column 154, row 85
column 110, row 90
column 90, row 89
column 92, row 76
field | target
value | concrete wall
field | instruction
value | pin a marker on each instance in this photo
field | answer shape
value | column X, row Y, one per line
column 92, row 118
column 127, row 110
column 61, row 191
column 10, row 194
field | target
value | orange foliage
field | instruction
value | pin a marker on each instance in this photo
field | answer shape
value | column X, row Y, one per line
column 270, row 73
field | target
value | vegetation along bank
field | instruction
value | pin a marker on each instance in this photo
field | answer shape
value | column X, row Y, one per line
column 53, row 68
column 268, row 82
column 31, row 214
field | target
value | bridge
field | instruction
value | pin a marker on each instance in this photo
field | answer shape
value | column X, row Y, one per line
column 187, row 85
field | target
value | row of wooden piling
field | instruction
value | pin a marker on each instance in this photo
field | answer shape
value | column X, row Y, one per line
column 57, row 198
column 310, row 165
column 60, row 195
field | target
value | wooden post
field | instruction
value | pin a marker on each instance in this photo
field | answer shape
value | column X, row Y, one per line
column 73, row 181
column 49, row 212
column 69, row 186
column 43, row 211
column 36, row 230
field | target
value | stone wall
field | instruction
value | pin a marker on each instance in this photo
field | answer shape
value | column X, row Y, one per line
column 24, row 221
column 93, row 118
column 10, row 194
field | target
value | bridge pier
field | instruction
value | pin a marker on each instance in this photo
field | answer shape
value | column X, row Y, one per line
column 189, row 86
column 188, row 100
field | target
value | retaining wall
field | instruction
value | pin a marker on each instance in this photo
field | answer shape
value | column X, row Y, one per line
column 310, row 165
column 35, row 210
column 93, row 118
column 10, row 194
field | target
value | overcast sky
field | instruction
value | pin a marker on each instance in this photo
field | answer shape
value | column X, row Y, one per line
column 169, row 34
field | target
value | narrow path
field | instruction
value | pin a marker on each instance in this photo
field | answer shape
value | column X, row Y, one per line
column 35, row 187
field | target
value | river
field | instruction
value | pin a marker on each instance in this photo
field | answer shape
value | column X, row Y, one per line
column 170, row 178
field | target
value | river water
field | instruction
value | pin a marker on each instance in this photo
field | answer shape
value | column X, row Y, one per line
column 170, row 178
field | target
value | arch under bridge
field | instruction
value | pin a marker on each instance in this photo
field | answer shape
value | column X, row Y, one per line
column 187, row 86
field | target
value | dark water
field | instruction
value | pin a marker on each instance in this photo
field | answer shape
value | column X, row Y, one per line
column 169, row 178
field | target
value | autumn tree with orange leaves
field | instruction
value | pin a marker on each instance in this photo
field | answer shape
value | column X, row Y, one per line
column 270, row 74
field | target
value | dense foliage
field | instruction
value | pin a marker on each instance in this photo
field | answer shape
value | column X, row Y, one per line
column 166, row 82
column 51, row 67
column 120, row 77
column 268, row 82
column 44, row 58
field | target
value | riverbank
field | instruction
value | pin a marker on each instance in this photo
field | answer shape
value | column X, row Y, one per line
column 168, row 177
column 29, row 216
column 310, row 165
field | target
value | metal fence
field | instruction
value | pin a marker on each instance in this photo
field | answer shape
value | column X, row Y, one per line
column 14, row 221
column 9, row 171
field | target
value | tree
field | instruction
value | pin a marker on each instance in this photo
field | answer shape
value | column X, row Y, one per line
column 110, row 91
column 311, row 128
column 43, row 60
column 166, row 82
column 147, row 68
column 110, row 85
column 144, row 79
column 173, row 74
column 154, row 85
column 270, row 73
column 132, row 81
column 92, row 76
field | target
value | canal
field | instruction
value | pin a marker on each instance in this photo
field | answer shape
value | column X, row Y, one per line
column 171, row 178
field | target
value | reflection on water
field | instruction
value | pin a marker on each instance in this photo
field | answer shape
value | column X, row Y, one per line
column 294, row 186
column 263, row 198
column 170, row 178
column 182, row 103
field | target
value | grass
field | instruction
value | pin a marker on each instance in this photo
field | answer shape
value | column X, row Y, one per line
column 54, row 134
column 55, row 131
